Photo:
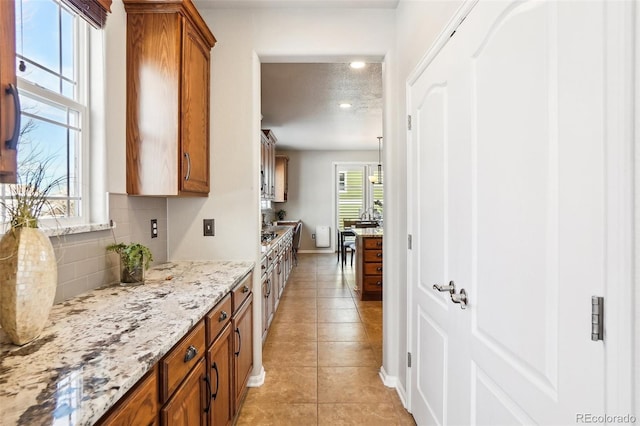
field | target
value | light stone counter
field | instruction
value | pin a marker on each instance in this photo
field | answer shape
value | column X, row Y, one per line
column 98, row 345
column 368, row 232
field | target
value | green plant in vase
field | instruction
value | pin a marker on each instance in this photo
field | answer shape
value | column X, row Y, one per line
column 135, row 258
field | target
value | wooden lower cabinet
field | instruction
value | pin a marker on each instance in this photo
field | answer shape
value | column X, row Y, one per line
column 369, row 267
column 219, row 363
column 190, row 401
column 203, row 378
column 140, row 406
column 242, row 323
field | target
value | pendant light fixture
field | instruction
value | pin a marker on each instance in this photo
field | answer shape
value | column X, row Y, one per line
column 373, row 179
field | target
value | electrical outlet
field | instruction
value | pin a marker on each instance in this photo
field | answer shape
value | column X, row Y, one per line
column 154, row 228
column 209, row 227
column 313, row 236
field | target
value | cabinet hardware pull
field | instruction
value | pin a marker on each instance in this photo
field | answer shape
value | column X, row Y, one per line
column 223, row 316
column 214, row 395
column 378, row 254
column 379, row 269
column 12, row 143
column 208, row 382
column 379, row 243
column 190, row 354
column 237, row 330
column 188, row 157
column 379, row 283
column 245, row 289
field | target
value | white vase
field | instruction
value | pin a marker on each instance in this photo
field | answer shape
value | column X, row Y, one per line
column 28, row 280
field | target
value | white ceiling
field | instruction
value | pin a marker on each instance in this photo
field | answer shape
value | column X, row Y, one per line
column 365, row 4
column 301, row 104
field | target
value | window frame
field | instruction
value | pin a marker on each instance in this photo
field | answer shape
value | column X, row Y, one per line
column 81, row 104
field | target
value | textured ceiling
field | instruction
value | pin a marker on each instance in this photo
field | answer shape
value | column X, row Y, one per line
column 301, row 104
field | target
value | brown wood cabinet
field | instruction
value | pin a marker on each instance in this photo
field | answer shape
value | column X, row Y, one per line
column 9, row 112
column 190, row 401
column 281, row 179
column 369, row 267
column 140, row 406
column 242, row 324
column 203, row 378
column 219, row 362
column 168, row 90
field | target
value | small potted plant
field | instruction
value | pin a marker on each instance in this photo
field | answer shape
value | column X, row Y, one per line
column 135, row 258
column 281, row 214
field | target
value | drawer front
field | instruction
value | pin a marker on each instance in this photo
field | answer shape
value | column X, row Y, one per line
column 264, row 265
column 180, row 360
column 372, row 284
column 240, row 292
column 219, row 316
column 372, row 255
column 373, row 243
column 373, row 268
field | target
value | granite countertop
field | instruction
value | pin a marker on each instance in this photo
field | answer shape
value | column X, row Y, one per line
column 368, row 232
column 96, row 346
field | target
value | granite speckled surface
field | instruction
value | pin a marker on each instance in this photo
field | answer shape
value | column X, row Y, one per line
column 368, row 232
column 281, row 231
column 95, row 347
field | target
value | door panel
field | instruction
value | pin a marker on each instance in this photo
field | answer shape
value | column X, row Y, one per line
column 509, row 175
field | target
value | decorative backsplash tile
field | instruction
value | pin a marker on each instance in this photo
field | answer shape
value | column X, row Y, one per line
column 83, row 262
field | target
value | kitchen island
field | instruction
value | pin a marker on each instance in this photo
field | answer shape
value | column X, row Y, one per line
column 97, row 346
column 369, row 263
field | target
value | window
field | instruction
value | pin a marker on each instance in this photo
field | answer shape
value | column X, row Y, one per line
column 342, row 181
column 357, row 197
column 52, row 71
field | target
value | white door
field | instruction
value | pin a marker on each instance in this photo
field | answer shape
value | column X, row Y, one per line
column 509, row 173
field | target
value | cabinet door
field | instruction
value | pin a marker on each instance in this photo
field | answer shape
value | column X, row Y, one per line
column 139, row 407
column 195, row 113
column 188, row 404
column 8, row 110
column 219, row 360
column 242, row 349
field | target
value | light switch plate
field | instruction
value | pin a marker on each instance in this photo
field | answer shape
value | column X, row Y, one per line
column 209, row 227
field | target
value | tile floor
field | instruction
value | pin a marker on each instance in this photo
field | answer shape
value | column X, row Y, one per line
column 322, row 355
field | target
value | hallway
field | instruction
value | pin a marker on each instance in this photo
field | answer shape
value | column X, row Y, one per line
column 322, row 355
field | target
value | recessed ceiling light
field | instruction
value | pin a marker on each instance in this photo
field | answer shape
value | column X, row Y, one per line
column 345, row 105
column 357, row 65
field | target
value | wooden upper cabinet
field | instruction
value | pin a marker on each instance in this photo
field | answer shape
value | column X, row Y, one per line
column 168, row 81
column 9, row 112
column 281, row 179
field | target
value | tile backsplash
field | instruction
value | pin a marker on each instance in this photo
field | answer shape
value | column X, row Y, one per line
column 83, row 262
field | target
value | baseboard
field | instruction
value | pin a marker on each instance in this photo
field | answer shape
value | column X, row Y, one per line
column 322, row 251
column 257, row 381
column 393, row 382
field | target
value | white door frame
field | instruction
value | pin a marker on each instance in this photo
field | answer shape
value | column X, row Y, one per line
column 622, row 133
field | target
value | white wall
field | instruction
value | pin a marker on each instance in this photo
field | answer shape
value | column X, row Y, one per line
column 311, row 188
column 418, row 23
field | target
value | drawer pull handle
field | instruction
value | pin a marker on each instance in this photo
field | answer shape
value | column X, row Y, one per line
column 190, row 354
column 379, row 283
column 223, row 316
column 379, row 269
column 245, row 289
column 379, row 254
column 237, row 330
column 208, row 382
column 379, row 243
column 214, row 395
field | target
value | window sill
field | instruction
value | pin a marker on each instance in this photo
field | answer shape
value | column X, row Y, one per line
column 62, row 230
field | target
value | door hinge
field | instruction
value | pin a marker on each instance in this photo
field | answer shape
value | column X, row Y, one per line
column 408, row 122
column 409, row 241
column 408, row 359
column 597, row 318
